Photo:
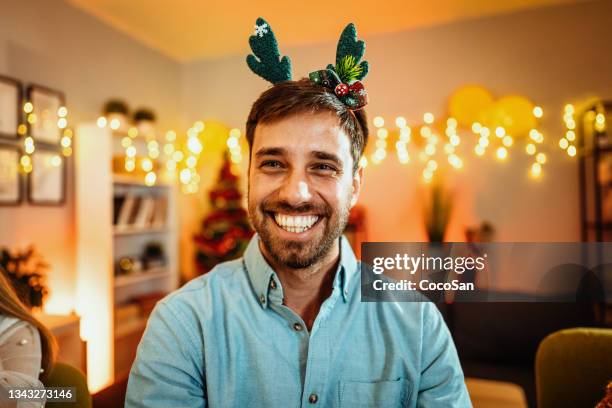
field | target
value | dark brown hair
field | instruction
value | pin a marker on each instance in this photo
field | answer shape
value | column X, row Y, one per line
column 294, row 97
column 10, row 305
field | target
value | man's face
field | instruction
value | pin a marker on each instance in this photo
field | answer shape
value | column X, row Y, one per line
column 301, row 187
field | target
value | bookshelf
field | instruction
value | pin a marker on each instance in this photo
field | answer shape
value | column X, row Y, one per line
column 127, row 246
column 595, row 173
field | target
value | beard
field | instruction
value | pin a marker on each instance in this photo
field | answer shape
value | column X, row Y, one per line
column 296, row 254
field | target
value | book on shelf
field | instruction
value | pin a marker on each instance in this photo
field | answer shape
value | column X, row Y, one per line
column 159, row 216
column 118, row 201
column 143, row 215
column 136, row 208
column 124, row 211
column 139, row 211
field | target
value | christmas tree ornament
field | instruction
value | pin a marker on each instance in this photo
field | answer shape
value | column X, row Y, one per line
column 343, row 78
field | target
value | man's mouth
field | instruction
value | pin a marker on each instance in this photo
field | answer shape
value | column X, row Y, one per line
column 295, row 223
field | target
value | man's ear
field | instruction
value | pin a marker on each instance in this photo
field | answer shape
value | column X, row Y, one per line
column 357, row 183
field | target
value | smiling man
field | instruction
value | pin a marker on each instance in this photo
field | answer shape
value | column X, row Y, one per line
column 284, row 325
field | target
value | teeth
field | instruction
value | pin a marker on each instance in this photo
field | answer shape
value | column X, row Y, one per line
column 295, row 224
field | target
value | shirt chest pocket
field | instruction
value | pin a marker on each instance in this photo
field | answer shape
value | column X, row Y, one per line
column 375, row 394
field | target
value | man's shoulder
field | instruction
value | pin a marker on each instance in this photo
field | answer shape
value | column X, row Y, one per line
column 225, row 278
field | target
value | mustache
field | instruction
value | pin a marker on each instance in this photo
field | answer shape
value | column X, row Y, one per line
column 287, row 208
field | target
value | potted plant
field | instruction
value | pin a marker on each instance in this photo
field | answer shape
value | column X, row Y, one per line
column 144, row 119
column 116, row 109
column 26, row 271
column 437, row 216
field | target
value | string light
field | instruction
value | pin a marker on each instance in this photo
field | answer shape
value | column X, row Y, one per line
column 381, row 134
column 133, row 132
column 199, row 126
column 600, row 122
column 66, row 142
column 130, row 151
column 536, row 170
column 479, row 150
column 430, row 149
column 530, row 149
column 26, row 163
column 150, row 178
column 55, row 161
column 130, row 164
column 567, row 142
column 28, row 145
column 178, row 156
column 379, row 121
column 233, row 144
column 538, row 112
column 146, row 164
column 455, row 161
column 541, row 158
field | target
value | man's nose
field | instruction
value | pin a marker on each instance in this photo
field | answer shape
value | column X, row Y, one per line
column 295, row 189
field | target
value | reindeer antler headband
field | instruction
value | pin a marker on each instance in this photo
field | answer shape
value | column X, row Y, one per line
column 344, row 79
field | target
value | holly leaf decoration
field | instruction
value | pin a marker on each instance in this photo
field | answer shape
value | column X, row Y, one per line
column 266, row 61
column 349, row 53
column 348, row 69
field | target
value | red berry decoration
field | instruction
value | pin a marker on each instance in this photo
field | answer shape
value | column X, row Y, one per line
column 341, row 89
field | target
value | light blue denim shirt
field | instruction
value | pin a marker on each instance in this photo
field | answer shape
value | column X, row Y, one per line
column 226, row 340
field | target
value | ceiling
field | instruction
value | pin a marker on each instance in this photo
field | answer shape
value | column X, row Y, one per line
column 192, row 29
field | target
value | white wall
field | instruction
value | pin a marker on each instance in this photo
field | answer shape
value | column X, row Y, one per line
column 53, row 44
column 552, row 55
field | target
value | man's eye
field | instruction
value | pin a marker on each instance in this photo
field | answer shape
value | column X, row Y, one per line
column 271, row 164
column 325, row 167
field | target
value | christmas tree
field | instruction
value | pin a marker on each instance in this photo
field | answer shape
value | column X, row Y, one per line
column 226, row 231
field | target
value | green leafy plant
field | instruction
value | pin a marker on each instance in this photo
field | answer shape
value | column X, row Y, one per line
column 144, row 115
column 438, row 214
column 115, row 106
column 348, row 69
column 26, row 271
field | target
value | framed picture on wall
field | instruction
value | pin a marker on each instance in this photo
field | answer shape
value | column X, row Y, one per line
column 43, row 125
column 10, row 107
column 10, row 178
column 47, row 181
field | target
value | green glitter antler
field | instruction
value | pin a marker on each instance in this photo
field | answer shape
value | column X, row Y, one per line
column 348, row 56
column 267, row 62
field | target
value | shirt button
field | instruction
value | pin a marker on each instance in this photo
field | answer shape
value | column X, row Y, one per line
column 298, row 327
column 272, row 284
column 313, row 398
column 262, row 298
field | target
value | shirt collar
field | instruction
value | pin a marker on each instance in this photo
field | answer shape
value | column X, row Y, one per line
column 263, row 278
